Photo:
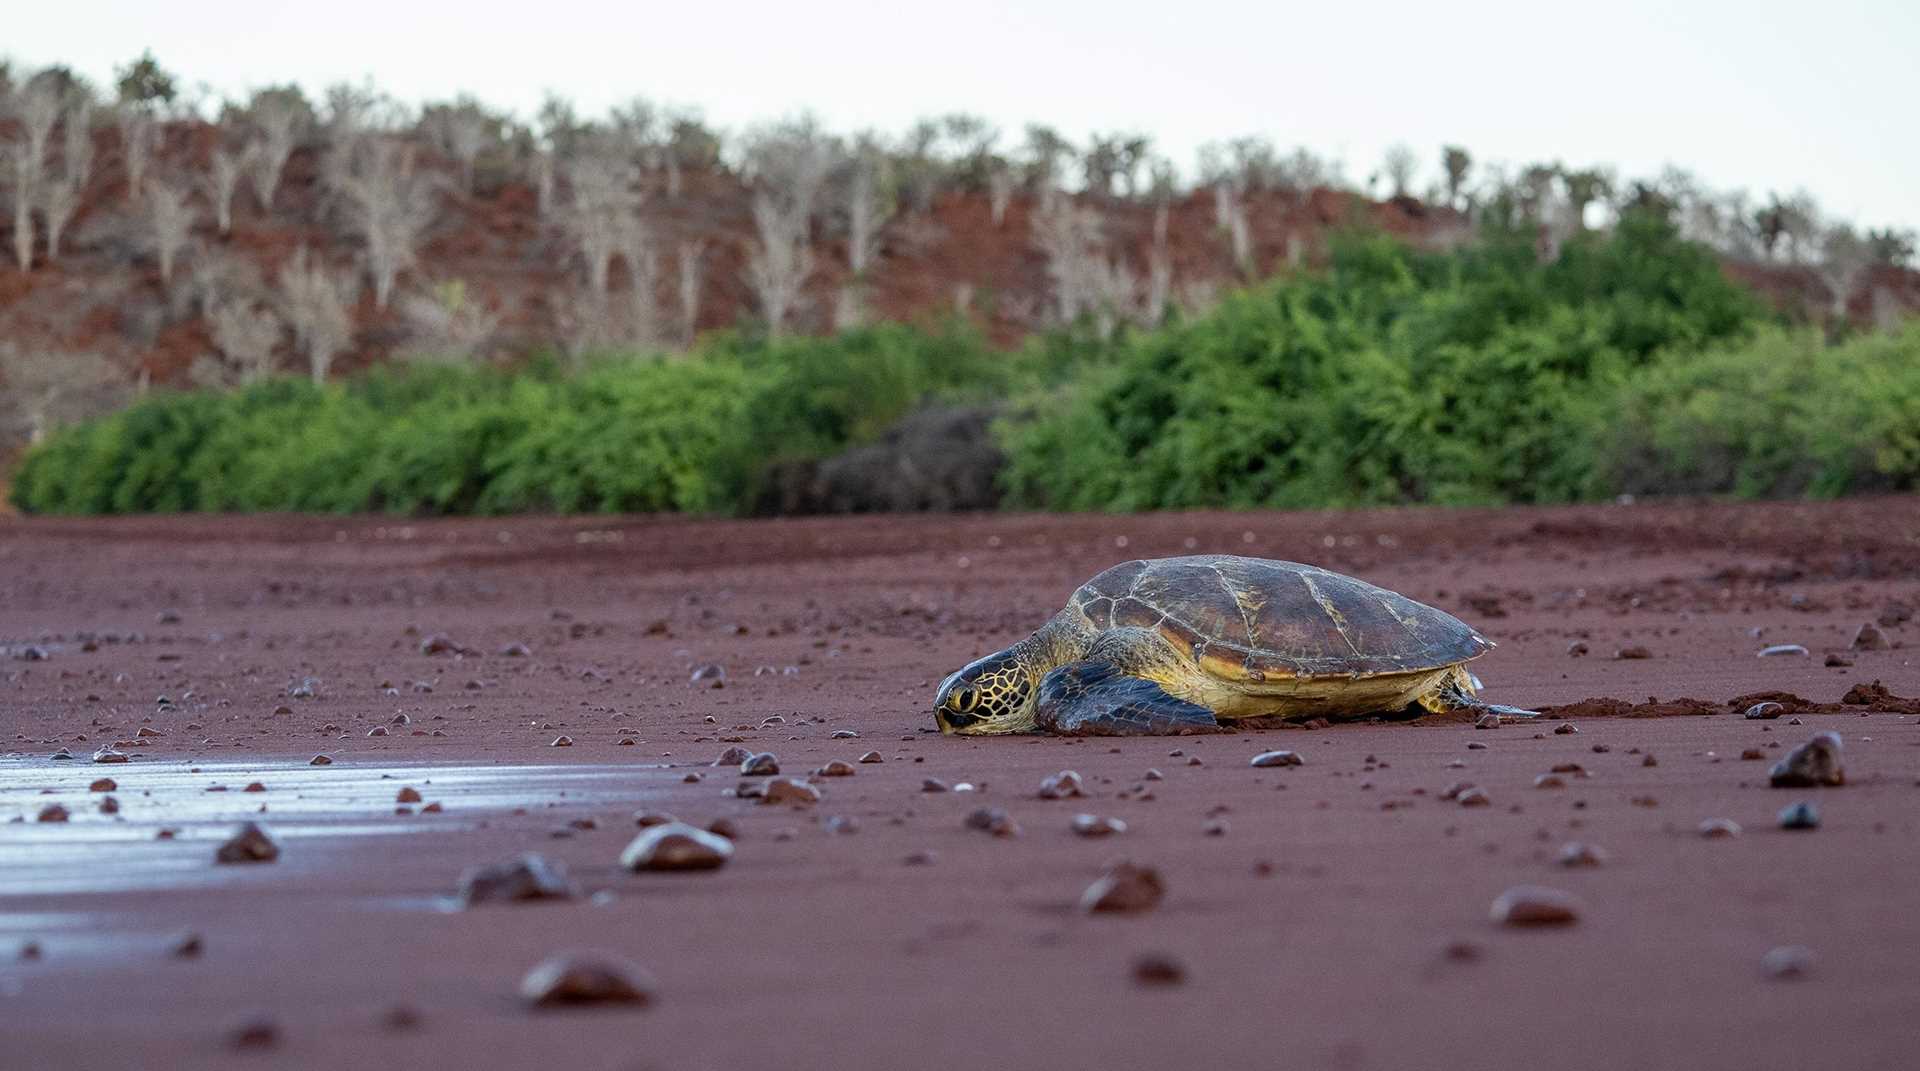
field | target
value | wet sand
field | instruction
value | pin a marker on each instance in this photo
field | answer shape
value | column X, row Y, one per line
column 1315, row 929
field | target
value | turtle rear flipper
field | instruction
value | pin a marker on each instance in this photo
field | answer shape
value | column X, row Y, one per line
column 1093, row 697
column 1455, row 692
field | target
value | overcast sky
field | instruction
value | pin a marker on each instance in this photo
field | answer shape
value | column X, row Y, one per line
column 1760, row 95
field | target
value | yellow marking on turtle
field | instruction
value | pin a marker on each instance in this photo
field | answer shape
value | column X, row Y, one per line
column 1240, row 603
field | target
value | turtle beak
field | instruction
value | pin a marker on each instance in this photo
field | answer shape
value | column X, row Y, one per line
column 952, row 721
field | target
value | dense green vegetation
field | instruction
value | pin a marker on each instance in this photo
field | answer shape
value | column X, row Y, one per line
column 1626, row 364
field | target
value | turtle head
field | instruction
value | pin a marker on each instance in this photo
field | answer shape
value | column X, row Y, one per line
column 989, row 695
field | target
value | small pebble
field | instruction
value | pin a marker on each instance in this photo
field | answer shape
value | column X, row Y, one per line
column 250, row 845
column 676, row 846
column 1576, row 854
column 1535, row 905
column 1158, row 968
column 1565, row 728
column 255, row 1033
column 104, row 784
column 1765, row 711
column 1271, row 758
column 761, row 765
column 562, row 741
column 1783, row 649
column 407, row 795
column 836, row 768
column 1814, row 763
column 1124, row 889
column 993, row 820
column 187, row 946
column 1719, row 828
column 789, row 790
column 1093, row 825
column 576, row 979
column 1627, row 654
column 871, row 756
column 1787, row 961
column 1800, row 815
column 530, row 877
column 1063, row 785
column 52, row 812
column 733, row 756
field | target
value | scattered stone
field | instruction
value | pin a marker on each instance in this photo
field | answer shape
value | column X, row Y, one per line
column 1063, row 785
column 1093, row 825
column 1814, row 763
column 250, row 845
column 1629, row 654
column 1216, row 828
column 1787, row 961
column 845, row 734
column 836, row 768
column 30, row 950
column 581, row 978
column 1153, row 775
column 186, row 946
column 1577, row 649
column 1783, row 649
column 1869, row 638
column 733, row 756
column 1752, row 754
column 762, row 765
column 256, row 1033
column 1565, row 728
column 1535, row 905
column 872, row 757
column 922, row 857
column 724, row 827
column 62, row 755
column 933, row 784
column 713, row 676
column 790, row 790
column 1473, row 797
column 109, row 805
column 562, row 741
column 1273, row 758
column 516, row 650
column 1547, row 780
column 1158, row 968
column 378, row 730
column 676, row 846
column 440, row 643
column 52, row 812
column 1836, row 661
column 320, row 760
column 1125, row 888
column 254, row 786
column 993, row 820
column 1765, row 711
column 841, row 823
column 649, row 819
column 1487, row 721
column 1719, row 828
column 108, row 754
column 1576, row 854
column 407, row 795
column 1800, row 815
column 104, row 784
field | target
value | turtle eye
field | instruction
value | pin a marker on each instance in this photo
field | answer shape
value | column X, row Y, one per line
column 965, row 700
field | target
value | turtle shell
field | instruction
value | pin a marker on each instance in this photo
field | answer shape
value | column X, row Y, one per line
column 1254, row 619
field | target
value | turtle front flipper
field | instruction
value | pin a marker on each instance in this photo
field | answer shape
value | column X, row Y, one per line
column 1093, row 697
column 1455, row 692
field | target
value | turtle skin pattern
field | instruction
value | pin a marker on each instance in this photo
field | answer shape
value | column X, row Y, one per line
column 1095, row 698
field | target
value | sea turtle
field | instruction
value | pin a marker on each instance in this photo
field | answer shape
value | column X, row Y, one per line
column 1174, row 645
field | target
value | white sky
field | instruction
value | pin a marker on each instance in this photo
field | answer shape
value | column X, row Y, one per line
column 1759, row 95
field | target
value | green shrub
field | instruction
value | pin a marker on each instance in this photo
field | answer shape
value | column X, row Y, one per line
column 1784, row 414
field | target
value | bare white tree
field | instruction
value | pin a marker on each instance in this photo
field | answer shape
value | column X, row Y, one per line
column 170, row 219
column 461, row 130
column 1159, row 269
column 390, row 204
column 1000, row 185
column 689, row 261
column 26, row 178
column 1844, row 259
column 137, row 136
column 36, row 106
column 317, row 302
column 247, row 334
column 600, row 212
column 278, row 122
column 1070, row 238
column 224, row 171
column 40, row 389
column 867, row 211
column 1399, row 166
column 59, row 198
column 788, row 164
column 543, row 181
column 638, row 249
column 76, row 155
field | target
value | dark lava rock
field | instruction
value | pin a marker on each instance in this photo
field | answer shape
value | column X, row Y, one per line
column 1816, row 762
column 1765, row 711
column 250, row 845
column 676, row 846
column 1802, row 815
column 1125, row 888
column 1158, row 968
column 1535, row 905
